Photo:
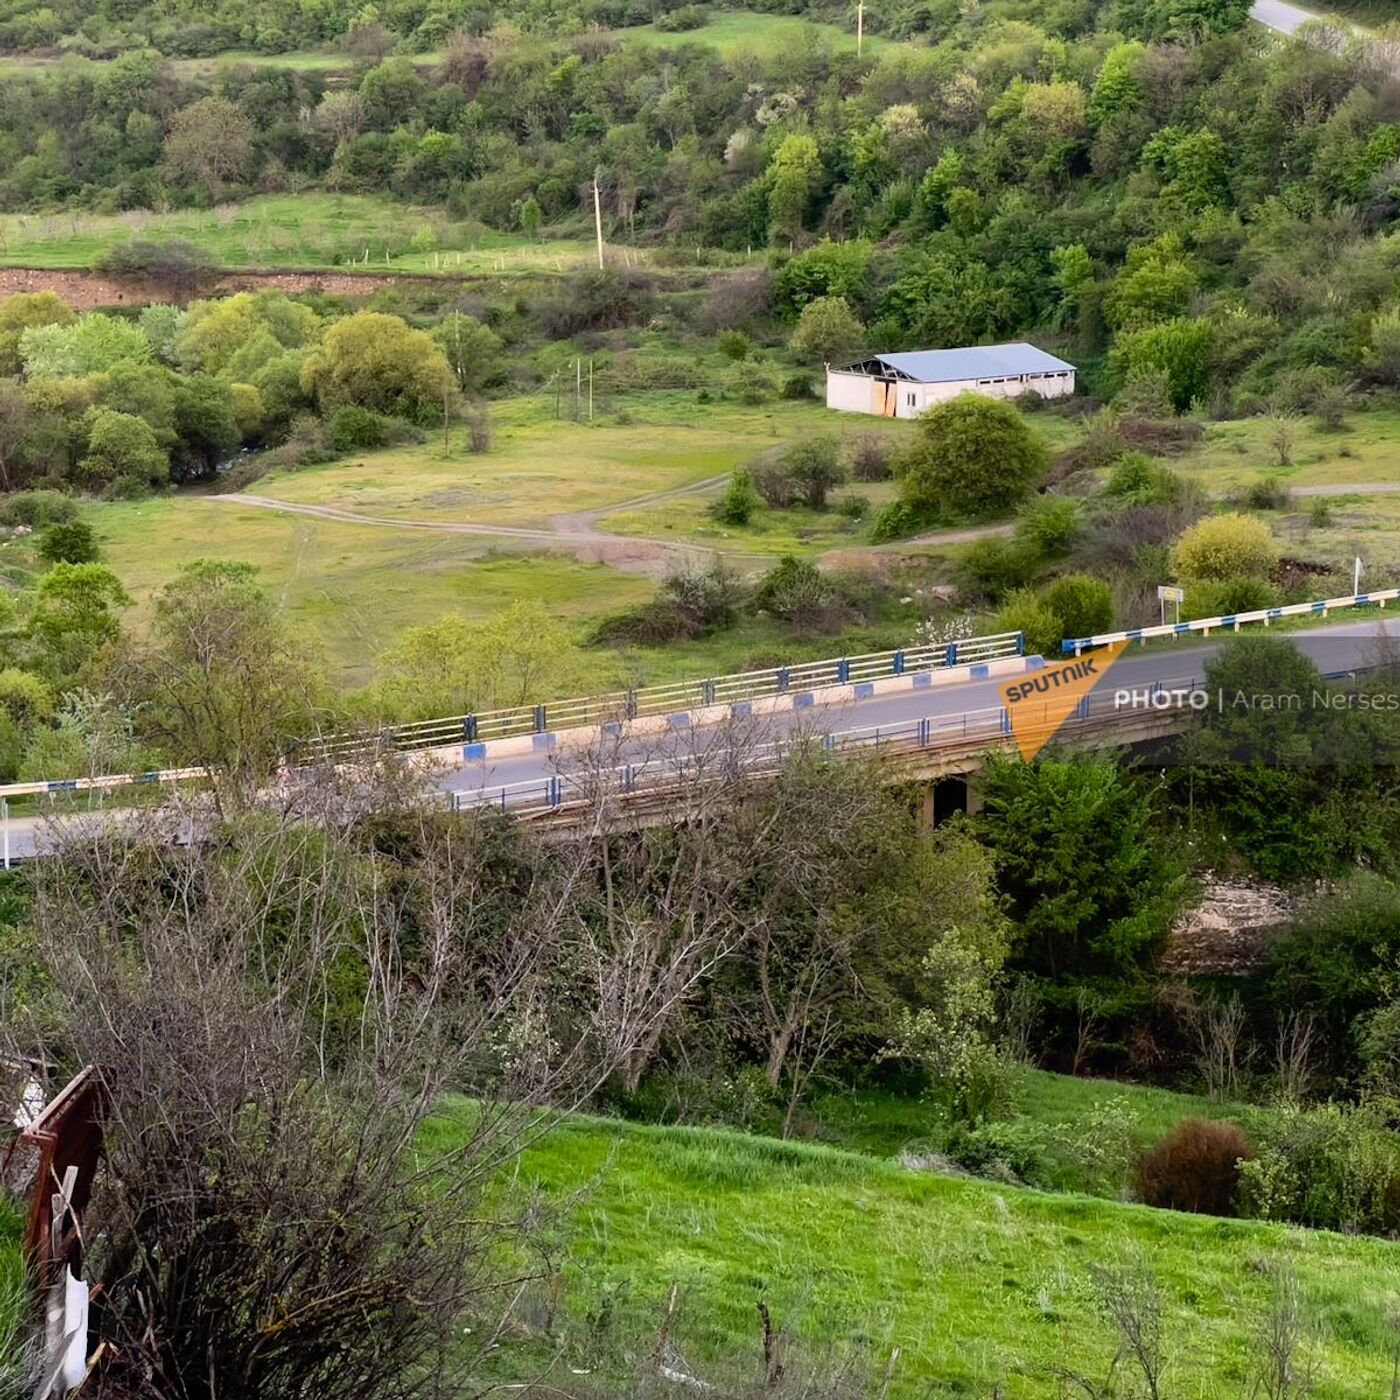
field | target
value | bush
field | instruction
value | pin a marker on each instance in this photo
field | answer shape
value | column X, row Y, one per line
column 1025, row 612
column 178, row 264
column 1225, row 597
column 681, row 20
column 739, row 501
column 897, row 521
column 356, row 429
column 1268, row 493
column 993, row 568
column 853, row 507
column 689, row 604
column 814, row 466
column 1196, row 1168
column 1048, row 526
column 870, row 455
column 773, row 481
column 69, row 542
column 1136, row 479
column 1082, row 605
column 37, row 509
column 798, row 387
column 827, row 330
column 734, row 345
column 1225, row 546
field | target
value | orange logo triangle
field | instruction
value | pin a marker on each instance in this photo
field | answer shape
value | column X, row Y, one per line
column 1038, row 702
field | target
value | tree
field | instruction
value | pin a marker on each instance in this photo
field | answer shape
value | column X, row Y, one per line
column 1118, row 89
column 826, row 269
column 1091, row 884
column 222, row 683
column 455, row 666
column 1082, row 605
column 210, row 142
column 14, row 431
column 1179, row 349
column 970, row 456
column 69, row 542
column 123, row 452
column 205, row 423
column 793, row 176
column 74, row 615
column 379, row 362
column 530, row 217
column 472, row 350
column 827, row 330
column 1226, row 547
column 22, row 312
column 814, row 466
column 89, row 345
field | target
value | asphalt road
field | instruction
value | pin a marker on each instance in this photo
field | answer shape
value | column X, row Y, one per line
column 1340, row 648
column 1279, row 16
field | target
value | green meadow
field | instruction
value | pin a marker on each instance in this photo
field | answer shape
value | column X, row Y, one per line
column 982, row 1287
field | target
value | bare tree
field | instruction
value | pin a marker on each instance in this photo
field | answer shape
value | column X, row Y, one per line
column 1294, row 1049
column 1286, row 1360
column 1221, row 1051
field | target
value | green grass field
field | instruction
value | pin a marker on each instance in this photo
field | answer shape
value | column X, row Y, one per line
column 303, row 231
column 734, row 32
column 980, row 1286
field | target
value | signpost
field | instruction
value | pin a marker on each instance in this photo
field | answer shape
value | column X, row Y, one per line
column 1168, row 593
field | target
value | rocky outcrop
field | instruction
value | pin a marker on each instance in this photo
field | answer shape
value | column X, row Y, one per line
column 1227, row 933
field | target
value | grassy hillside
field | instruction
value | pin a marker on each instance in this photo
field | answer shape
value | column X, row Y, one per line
column 981, row 1286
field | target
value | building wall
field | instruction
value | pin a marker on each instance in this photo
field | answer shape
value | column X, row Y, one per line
column 863, row 393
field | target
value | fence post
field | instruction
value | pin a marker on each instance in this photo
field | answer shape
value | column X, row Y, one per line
column 555, row 795
column 924, row 733
column 707, row 692
column 470, row 727
column 541, row 718
column 899, row 662
column 843, row 671
column 1020, row 644
column 5, row 816
column 951, row 659
column 631, row 707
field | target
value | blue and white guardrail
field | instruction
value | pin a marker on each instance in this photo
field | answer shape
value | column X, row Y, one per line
column 1231, row 621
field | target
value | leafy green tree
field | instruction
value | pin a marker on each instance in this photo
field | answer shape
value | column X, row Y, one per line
column 1091, row 881
column 1225, row 547
column 935, row 189
column 379, row 362
column 1073, row 276
column 793, row 176
column 826, row 269
column 89, row 345
column 206, row 424
column 1025, row 611
column 1155, row 285
column 1118, row 89
column 472, row 349
column 210, row 142
column 530, row 217
column 1048, row 527
column 222, row 683
column 1179, row 349
column 24, row 311
column 1083, row 606
column 814, row 465
column 123, row 452
column 971, row 456
column 827, row 330
column 74, row 616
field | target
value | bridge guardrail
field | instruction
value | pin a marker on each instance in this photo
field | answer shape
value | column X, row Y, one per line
column 668, row 699
column 1234, row 621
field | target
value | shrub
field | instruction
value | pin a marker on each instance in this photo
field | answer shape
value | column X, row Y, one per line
column 689, row 604
column 1319, row 514
column 37, row 508
column 1082, row 605
column 797, row 387
column 1268, row 493
column 1225, row 546
column 870, row 455
column 853, row 507
column 739, row 501
column 1136, row 479
column 773, row 481
column 479, row 429
column 69, row 542
column 827, row 330
column 178, row 264
column 734, row 345
column 814, row 466
column 897, row 521
column 356, row 429
column 1196, row 1168
column 1025, row 612
column 1048, row 526
column 1227, row 596
column 992, row 568
column 681, row 20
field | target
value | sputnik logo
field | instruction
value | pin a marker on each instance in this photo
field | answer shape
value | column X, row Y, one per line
column 1039, row 702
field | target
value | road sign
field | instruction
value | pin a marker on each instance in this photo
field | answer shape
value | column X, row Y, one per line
column 1166, row 593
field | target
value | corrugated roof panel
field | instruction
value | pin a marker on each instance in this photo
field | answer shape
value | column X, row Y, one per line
column 972, row 362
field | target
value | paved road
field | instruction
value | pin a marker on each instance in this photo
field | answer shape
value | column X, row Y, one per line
column 1334, row 649
column 1279, row 16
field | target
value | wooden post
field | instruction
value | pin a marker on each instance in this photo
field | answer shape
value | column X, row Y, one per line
column 860, row 26
column 590, row 390
column 578, row 388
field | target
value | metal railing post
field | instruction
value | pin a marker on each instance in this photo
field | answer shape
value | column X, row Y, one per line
column 843, row 670
column 469, row 729
column 951, row 659
column 541, row 719
column 898, row 662
column 783, row 679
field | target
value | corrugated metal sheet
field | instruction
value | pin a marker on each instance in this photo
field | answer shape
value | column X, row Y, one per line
column 972, row 362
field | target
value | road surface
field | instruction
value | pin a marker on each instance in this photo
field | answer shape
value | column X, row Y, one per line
column 1279, row 16
column 1336, row 649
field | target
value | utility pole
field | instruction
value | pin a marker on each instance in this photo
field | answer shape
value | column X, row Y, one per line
column 447, row 414
column 590, row 390
column 598, row 218
column 860, row 26
column 578, row 387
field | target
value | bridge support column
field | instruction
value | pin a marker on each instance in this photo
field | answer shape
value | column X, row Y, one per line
column 941, row 798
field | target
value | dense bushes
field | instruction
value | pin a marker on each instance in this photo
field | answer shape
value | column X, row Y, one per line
column 1196, row 1167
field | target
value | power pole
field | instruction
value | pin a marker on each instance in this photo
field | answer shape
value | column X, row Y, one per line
column 578, row 388
column 590, row 390
column 598, row 218
column 860, row 26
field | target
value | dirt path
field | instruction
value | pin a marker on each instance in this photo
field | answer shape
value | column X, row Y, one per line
column 1373, row 488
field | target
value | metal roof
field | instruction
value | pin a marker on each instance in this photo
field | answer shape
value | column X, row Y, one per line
column 971, row 362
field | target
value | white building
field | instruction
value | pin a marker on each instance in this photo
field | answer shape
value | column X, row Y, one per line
column 904, row 385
